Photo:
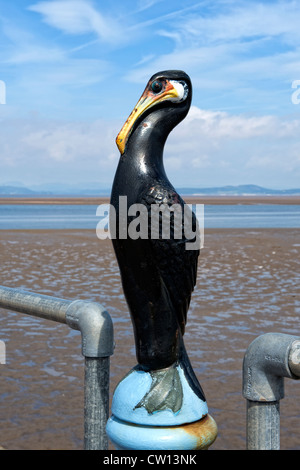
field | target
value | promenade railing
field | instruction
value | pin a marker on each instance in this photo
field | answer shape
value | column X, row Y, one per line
column 269, row 359
column 96, row 328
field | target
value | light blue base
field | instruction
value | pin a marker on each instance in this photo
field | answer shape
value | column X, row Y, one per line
column 133, row 388
column 127, row 436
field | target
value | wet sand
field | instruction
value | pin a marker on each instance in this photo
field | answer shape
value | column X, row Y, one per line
column 219, row 200
column 248, row 284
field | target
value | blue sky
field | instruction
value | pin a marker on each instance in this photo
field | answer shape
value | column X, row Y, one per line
column 74, row 69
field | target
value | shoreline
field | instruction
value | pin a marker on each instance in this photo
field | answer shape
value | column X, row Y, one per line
column 92, row 230
column 247, row 285
column 217, row 200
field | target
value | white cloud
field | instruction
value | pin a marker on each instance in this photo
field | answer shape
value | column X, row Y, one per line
column 76, row 73
column 78, row 17
column 207, row 148
column 229, row 148
column 28, row 53
column 38, row 150
column 243, row 53
column 44, row 75
column 25, row 47
column 244, row 21
column 240, row 56
column 145, row 4
column 68, row 142
column 217, row 124
column 200, row 162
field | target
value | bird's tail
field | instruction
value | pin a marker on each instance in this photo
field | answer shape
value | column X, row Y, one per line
column 189, row 372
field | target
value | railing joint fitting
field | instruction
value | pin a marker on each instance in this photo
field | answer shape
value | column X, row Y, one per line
column 95, row 325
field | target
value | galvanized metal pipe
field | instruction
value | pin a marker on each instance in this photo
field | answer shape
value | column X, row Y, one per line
column 263, row 425
column 96, row 403
column 96, row 328
column 268, row 359
column 43, row 306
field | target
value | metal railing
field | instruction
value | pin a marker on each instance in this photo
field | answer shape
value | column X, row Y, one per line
column 268, row 360
column 96, row 328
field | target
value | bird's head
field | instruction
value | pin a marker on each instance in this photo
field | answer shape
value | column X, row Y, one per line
column 170, row 89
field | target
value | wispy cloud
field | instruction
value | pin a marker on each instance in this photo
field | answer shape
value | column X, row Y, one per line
column 238, row 46
column 207, row 148
column 33, row 53
column 24, row 47
column 44, row 73
column 79, row 17
column 246, row 21
column 68, row 60
column 145, row 4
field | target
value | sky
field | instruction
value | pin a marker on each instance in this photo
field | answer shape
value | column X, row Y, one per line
column 71, row 72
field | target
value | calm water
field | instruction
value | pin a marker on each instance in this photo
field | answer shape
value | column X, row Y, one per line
column 84, row 216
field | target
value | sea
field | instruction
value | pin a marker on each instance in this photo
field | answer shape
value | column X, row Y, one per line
column 60, row 216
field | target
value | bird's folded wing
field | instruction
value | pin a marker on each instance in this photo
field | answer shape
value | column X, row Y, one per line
column 176, row 265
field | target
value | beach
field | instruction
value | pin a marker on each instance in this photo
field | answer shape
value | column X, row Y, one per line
column 199, row 199
column 248, row 284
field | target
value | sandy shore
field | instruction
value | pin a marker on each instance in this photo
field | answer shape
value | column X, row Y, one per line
column 188, row 199
column 248, row 284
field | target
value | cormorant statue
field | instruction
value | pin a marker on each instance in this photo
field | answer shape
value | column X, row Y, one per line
column 158, row 273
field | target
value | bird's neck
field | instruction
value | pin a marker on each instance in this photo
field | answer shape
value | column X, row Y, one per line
column 146, row 145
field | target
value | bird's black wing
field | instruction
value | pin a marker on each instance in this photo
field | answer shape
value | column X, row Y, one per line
column 176, row 265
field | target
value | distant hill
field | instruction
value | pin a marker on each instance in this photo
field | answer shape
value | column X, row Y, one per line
column 51, row 190
column 241, row 190
column 95, row 190
column 15, row 191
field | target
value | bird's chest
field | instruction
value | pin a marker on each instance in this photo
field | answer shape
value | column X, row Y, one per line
column 129, row 182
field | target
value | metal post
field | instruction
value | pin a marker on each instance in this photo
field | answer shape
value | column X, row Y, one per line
column 96, row 328
column 96, row 403
column 263, row 425
column 268, row 359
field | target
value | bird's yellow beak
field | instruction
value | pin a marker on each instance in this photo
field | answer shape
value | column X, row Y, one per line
column 147, row 100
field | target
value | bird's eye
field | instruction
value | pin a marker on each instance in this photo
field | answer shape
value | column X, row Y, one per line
column 156, row 86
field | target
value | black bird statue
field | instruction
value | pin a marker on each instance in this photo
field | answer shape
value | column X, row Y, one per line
column 158, row 273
